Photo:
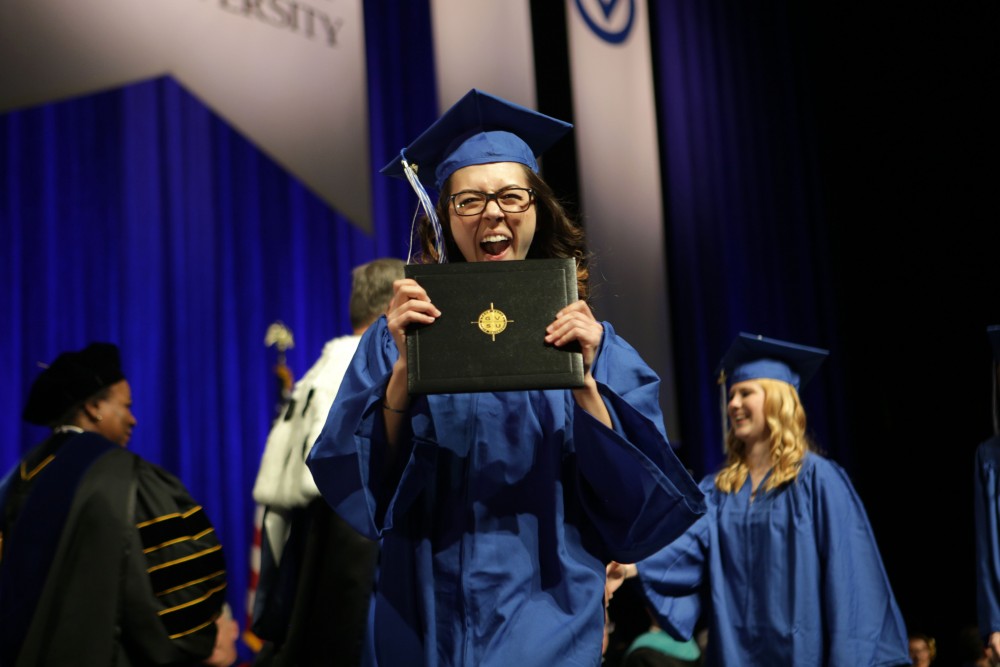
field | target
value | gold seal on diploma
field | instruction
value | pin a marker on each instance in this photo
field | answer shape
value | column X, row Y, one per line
column 492, row 321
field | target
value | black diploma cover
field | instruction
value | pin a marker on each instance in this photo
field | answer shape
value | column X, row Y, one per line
column 491, row 332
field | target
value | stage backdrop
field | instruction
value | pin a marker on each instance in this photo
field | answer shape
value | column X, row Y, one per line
column 141, row 216
column 801, row 152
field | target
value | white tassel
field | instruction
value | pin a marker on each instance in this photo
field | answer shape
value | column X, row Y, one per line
column 428, row 206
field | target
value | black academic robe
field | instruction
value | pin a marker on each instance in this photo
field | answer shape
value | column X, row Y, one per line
column 312, row 609
column 107, row 560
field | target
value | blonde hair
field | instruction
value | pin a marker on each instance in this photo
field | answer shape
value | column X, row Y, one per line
column 927, row 639
column 786, row 427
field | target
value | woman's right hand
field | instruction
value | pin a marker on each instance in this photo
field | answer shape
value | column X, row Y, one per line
column 410, row 305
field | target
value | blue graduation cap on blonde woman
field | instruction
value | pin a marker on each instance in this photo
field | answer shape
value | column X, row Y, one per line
column 478, row 129
column 754, row 357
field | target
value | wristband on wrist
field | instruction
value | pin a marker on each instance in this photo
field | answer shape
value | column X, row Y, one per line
column 385, row 406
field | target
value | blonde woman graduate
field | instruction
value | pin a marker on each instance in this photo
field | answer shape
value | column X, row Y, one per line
column 783, row 569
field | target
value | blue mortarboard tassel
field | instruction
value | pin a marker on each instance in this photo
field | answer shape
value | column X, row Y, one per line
column 427, row 205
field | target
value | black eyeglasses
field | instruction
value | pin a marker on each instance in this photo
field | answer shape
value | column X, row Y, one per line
column 510, row 200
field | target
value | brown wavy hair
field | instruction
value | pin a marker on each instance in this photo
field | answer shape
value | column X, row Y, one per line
column 786, row 427
column 556, row 234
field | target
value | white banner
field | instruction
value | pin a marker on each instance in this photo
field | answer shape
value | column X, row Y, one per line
column 288, row 74
column 615, row 115
column 483, row 44
column 487, row 44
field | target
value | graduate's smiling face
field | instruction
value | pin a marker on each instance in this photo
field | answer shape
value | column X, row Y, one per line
column 494, row 234
column 746, row 412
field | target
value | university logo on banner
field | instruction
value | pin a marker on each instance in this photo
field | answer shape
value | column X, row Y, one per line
column 611, row 20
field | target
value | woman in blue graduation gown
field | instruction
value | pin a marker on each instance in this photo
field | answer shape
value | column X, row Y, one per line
column 497, row 512
column 784, row 563
column 987, row 513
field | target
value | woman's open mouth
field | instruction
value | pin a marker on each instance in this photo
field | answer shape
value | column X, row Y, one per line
column 495, row 244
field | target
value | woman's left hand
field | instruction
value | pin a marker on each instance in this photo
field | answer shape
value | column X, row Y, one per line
column 576, row 322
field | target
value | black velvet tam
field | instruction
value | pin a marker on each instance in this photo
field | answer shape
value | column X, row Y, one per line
column 70, row 379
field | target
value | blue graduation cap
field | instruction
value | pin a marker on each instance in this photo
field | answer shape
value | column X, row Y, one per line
column 478, row 129
column 994, row 334
column 753, row 357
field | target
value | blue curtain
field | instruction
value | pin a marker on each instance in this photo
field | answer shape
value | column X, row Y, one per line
column 139, row 217
column 746, row 234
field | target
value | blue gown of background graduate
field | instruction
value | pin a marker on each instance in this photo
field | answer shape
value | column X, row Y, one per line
column 792, row 578
column 987, row 511
column 987, row 499
column 495, row 539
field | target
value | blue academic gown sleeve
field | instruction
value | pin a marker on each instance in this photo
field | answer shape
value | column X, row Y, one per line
column 987, row 514
column 794, row 577
column 675, row 578
column 496, row 528
column 341, row 460
column 642, row 496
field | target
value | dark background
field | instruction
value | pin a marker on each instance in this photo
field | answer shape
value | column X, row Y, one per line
column 907, row 137
column 898, row 129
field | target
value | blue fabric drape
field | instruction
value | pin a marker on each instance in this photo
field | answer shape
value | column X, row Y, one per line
column 139, row 217
column 745, row 228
